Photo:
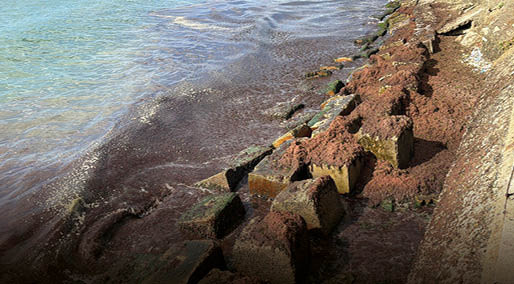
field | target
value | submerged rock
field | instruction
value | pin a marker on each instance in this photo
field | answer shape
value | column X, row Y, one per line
column 274, row 248
column 389, row 138
column 316, row 200
column 228, row 179
column 284, row 111
column 186, row 263
column 213, row 217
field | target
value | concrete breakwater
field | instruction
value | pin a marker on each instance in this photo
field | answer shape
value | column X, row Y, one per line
column 346, row 195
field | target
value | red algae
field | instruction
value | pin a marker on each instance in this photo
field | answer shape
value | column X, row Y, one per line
column 334, row 147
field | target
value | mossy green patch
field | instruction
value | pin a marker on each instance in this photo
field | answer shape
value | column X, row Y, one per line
column 334, row 87
column 209, row 207
column 505, row 45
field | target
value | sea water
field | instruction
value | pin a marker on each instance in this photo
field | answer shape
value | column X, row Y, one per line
column 70, row 69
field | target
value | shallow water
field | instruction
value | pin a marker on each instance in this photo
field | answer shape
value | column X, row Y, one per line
column 123, row 105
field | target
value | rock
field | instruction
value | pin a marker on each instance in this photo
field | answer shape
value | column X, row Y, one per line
column 334, row 87
column 271, row 177
column 338, row 67
column 318, row 74
column 389, row 138
column 213, row 217
column 388, row 204
column 338, row 105
column 217, row 276
column 316, row 200
column 284, row 111
column 187, row 263
column 424, row 200
column 382, row 28
column 300, row 131
column 344, row 176
column 299, row 119
column 228, row 179
column 369, row 52
column 274, row 248
column 343, row 59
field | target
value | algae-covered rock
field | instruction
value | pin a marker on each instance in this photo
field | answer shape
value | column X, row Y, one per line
column 316, row 200
column 334, row 87
column 388, row 204
column 245, row 161
column 283, row 111
column 186, row 263
column 318, row 74
column 273, row 249
column 382, row 28
column 213, row 217
column 270, row 176
column 300, row 131
column 345, row 176
column 389, row 138
column 338, row 105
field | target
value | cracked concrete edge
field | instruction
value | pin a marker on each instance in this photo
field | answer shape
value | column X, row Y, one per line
column 499, row 258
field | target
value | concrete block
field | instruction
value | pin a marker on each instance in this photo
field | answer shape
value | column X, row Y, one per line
column 213, row 217
column 345, row 176
column 271, row 177
column 274, row 248
column 245, row 161
column 389, row 138
column 338, row 105
column 316, row 200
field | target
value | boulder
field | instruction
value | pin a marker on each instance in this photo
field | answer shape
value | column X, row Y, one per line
column 338, row 105
column 228, row 179
column 217, row 276
column 213, row 217
column 270, row 176
column 274, row 248
column 316, row 200
column 389, row 138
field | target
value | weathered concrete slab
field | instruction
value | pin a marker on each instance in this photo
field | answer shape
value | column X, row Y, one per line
column 213, row 217
column 298, row 132
column 228, row 179
column 338, row 105
column 316, row 200
column 389, row 138
column 270, row 177
column 344, row 176
column 186, row 263
column 274, row 248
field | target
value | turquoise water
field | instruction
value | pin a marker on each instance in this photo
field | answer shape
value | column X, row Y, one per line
column 68, row 67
